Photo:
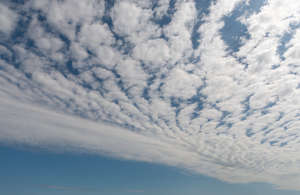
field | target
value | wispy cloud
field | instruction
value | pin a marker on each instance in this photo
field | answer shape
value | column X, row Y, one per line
column 95, row 77
column 69, row 188
column 84, row 189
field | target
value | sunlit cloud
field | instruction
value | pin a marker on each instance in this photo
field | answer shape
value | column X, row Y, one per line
column 212, row 88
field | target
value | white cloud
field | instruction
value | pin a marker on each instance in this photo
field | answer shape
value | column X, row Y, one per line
column 292, row 55
column 237, row 121
column 127, row 22
column 94, row 35
column 135, row 25
column 181, row 84
column 154, row 53
column 8, row 19
column 73, row 133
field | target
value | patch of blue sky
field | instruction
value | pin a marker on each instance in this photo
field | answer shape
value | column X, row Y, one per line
column 107, row 18
column 249, row 132
column 75, row 174
column 6, row 53
column 166, row 18
column 222, row 123
column 202, row 7
column 233, row 30
column 17, row 36
column 282, row 48
column 18, row 1
column 146, row 90
column 11, row 57
column 198, row 99
column 71, row 68
column 125, row 47
column 246, row 104
column 285, row 39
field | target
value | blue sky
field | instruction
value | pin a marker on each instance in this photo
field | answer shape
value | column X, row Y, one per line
column 206, row 86
column 31, row 171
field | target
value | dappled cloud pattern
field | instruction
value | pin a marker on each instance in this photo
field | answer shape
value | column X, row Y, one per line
column 208, row 86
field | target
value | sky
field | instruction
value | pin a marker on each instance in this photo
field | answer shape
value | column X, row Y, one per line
column 205, row 87
column 32, row 171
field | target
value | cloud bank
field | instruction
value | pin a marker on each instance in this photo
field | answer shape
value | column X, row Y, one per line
column 208, row 86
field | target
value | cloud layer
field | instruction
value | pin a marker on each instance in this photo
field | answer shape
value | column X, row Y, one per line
column 209, row 86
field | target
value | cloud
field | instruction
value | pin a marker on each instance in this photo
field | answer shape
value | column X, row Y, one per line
column 95, row 77
column 60, row 131
column 8, row 19
column 84, row 189
column 68, row 188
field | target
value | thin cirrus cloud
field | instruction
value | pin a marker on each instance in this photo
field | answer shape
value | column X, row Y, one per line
column 213, row 82
column 68, row 188
column 84, row 189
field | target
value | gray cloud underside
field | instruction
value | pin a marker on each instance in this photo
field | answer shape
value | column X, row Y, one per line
column 160, row 83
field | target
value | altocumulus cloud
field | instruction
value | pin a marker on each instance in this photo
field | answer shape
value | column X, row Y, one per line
column 214, row 82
